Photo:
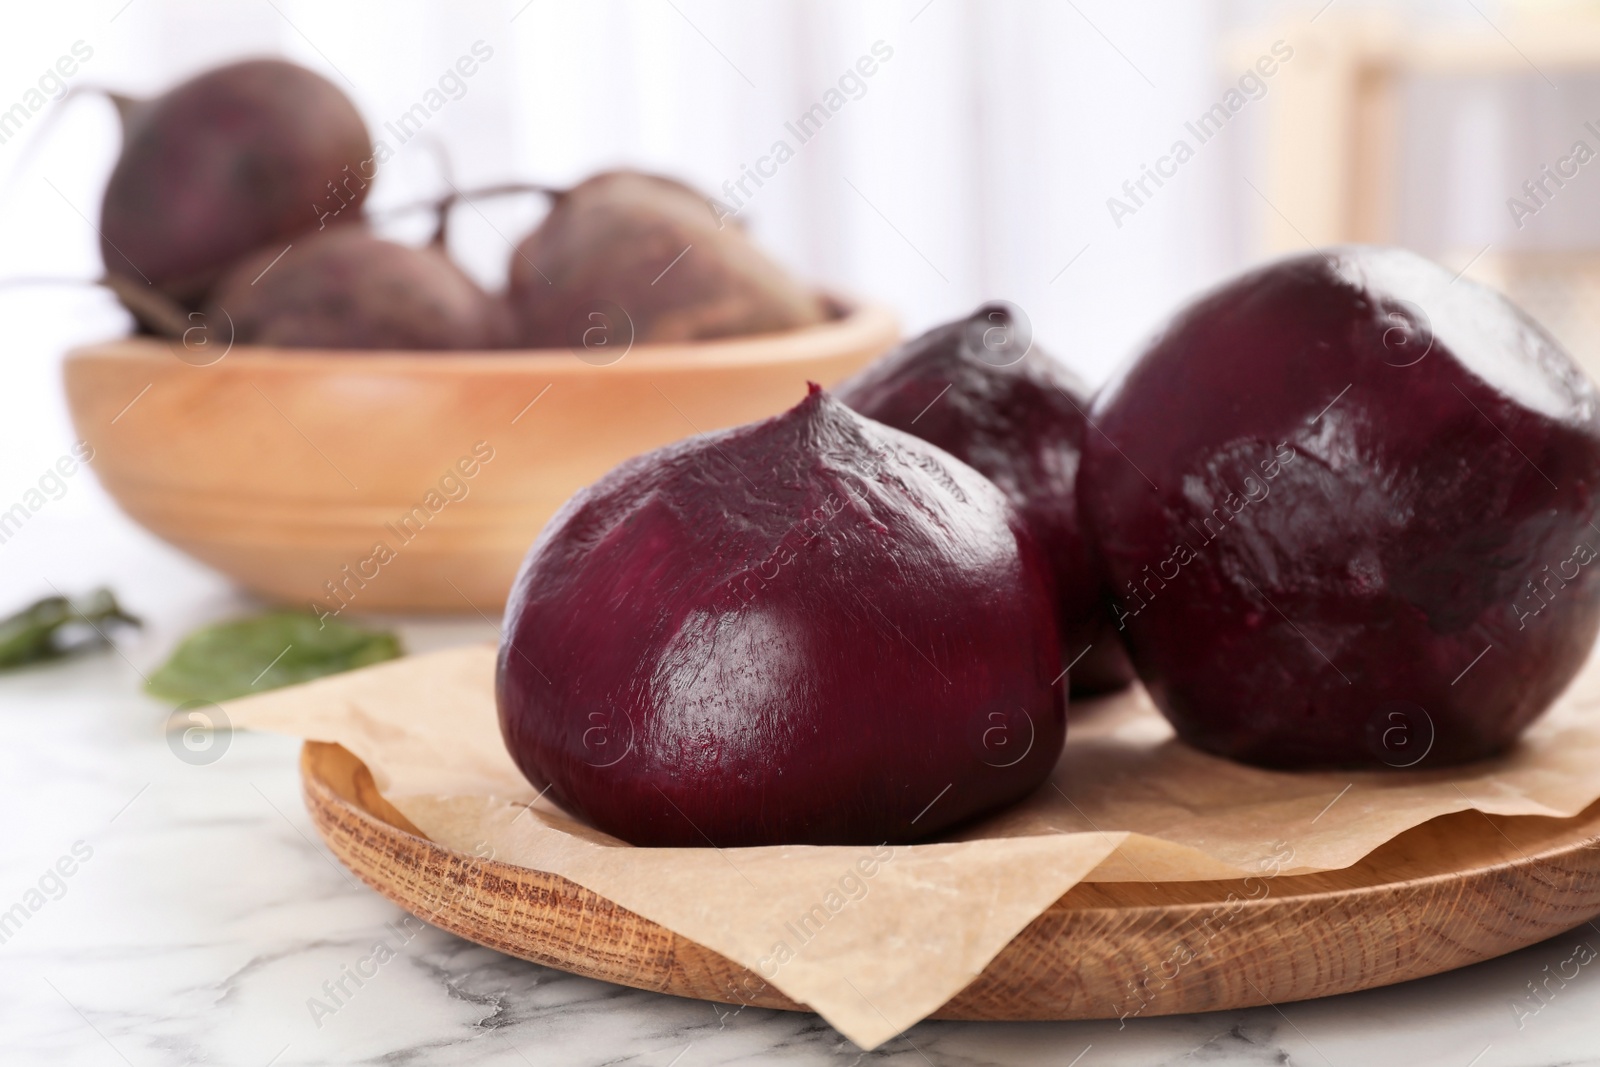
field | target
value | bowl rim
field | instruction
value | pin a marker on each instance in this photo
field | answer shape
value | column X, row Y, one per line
column 862, row 319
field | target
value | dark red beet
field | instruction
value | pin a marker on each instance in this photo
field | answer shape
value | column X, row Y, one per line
column 1347, row 507
column 854, row 646
column 344, row 287
column 240, row 157
column 978, row 390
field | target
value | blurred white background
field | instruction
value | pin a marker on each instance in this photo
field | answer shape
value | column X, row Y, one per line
column 977, row 161
column 975, row 164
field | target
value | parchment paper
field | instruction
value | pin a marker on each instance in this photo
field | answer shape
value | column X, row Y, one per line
column 876, row 939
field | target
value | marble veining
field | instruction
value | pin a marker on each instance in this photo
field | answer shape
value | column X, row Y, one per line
column 208, row 922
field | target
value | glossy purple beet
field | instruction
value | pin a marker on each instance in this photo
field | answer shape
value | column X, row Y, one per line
column 978, row 390
column 810, row 630
column 1348, row 506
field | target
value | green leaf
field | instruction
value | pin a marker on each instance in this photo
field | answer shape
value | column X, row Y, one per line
column 55, row 627
column 267, row 651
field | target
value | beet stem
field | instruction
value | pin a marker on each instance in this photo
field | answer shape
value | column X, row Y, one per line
column 450, row 199
column 124, row 104
column 154, row 309
column 31, row 280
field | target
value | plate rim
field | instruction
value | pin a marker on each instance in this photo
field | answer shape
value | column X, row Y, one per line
column 365, row 832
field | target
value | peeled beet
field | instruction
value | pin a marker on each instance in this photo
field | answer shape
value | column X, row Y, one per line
column 652, row 249
column 345, row 287
column 810, row 630
column 977, row 390
column 246, row 155
column 1347, row 504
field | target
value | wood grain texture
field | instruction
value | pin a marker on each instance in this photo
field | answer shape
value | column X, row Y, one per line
column 283, row 467
column 1459, row 889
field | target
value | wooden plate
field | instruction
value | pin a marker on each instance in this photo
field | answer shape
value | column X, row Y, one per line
column 1456, row 890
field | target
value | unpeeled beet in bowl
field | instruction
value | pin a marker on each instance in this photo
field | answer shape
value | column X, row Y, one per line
column 810, row 630
column 345, row 287
column 239, row 157
column 1348, row 507
column 645, row 258
column 979, row 389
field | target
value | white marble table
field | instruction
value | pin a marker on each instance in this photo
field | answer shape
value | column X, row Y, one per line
column 202, row 913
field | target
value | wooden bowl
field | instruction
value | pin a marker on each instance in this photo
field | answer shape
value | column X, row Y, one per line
column 340, row 478
column 1453, row 891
